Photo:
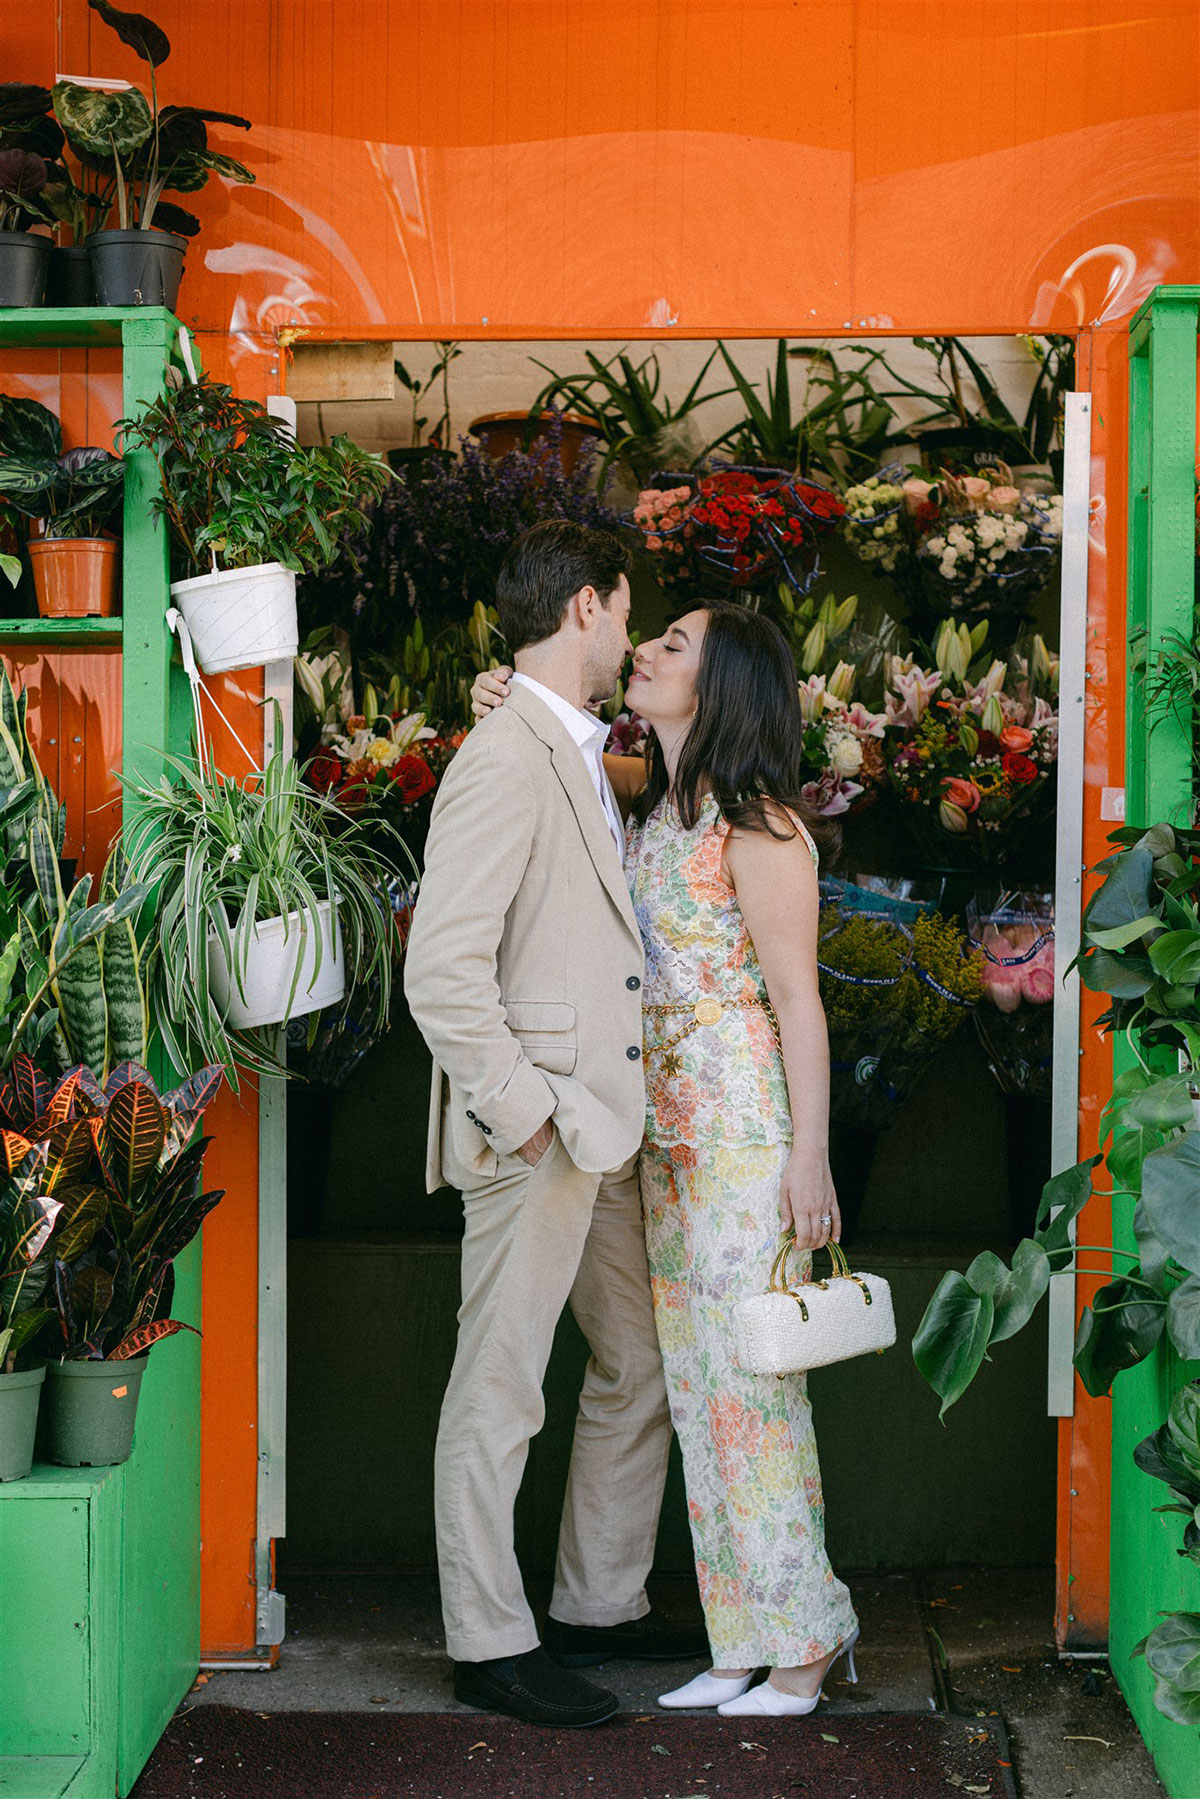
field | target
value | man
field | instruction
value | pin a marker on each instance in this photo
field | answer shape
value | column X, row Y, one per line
column 524, row 973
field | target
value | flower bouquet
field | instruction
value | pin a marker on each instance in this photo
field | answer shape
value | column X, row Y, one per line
column 892, row 995
column 957, row 541
column 742, row 529
column 971, row 760
column 379, row 765
column 1014, row 933
column 843, row 744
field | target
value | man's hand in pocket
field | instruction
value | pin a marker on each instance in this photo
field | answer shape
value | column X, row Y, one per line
column 533, row 1151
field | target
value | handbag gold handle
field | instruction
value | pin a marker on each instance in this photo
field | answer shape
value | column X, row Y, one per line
column 841, row 1270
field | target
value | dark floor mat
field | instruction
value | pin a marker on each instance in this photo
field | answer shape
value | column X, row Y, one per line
column 217, row 1752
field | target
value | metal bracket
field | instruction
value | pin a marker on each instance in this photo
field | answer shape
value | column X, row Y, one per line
column 270, row 1617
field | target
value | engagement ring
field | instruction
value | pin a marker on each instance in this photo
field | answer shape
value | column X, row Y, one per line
column 826, row 1218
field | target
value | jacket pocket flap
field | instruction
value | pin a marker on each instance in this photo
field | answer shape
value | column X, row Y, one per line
column 539, row 1016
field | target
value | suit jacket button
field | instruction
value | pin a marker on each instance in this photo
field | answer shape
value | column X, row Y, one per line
column 633, row 1053
column 471, row 1116
column 633, row 983
column 486, row 1129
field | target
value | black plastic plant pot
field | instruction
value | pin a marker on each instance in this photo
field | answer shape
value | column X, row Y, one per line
column 136, row 268
column 23, row 259
column 19, row 1397
column 69, row 278
column 90, row 1409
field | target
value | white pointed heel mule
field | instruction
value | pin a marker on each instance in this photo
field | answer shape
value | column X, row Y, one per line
column 705, row 1690
column 767, row 1701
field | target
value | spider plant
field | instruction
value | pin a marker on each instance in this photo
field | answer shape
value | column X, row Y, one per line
column 228, row 854
column 641, row 430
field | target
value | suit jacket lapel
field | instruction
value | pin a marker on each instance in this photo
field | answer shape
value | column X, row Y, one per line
column 569, row 766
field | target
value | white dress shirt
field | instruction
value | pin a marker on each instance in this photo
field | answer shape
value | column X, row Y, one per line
column 591, row 734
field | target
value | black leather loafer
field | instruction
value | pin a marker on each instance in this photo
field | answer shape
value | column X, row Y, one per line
column 535, row 1689
column 646, row 1639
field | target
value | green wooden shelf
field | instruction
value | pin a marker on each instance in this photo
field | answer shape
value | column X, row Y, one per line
column 83, row 327
column 59, row 632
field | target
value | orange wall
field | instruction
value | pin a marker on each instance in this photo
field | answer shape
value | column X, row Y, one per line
column 615, row 167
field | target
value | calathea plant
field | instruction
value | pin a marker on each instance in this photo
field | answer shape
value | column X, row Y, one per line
column 143, row 149
column 124, row 1168
column 74, row 492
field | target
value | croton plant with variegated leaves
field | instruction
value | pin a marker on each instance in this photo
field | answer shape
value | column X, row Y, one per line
column 100, row 1190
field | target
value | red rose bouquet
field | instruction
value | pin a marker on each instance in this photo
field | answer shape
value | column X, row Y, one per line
column 745, row 529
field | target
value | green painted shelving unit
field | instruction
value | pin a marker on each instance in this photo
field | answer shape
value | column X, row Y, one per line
column 99, row 1567
column 1148, row 1574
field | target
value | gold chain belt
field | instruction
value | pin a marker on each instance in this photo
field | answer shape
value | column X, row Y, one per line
column 707, row 1010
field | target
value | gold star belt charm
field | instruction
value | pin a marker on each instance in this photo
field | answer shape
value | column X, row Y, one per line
column 672, row 1066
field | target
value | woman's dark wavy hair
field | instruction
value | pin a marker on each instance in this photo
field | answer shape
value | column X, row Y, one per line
column 745, row 744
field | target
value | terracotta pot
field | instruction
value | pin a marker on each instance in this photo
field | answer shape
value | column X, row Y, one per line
column 75, row 577
column 500, row 432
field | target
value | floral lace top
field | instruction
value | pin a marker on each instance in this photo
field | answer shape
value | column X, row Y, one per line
column 722, row 1082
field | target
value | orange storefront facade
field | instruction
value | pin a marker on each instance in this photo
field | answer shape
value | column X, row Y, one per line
column 621, row 168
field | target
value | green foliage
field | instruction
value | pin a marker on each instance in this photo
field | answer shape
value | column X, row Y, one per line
column 76, row 494
column 235, row 486
column 1141, row 946
column 641, row 428
column 225, row 855
column 27, row 1214
column 1172, row 1649
column 138, row 149
column 124, row 1170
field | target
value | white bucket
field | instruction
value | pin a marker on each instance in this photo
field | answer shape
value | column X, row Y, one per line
column 271, row 967
column 240, row 617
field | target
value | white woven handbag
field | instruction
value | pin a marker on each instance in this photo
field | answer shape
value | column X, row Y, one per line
column 788, row 1330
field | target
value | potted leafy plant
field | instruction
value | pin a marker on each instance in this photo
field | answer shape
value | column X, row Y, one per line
column 24, row 254
column 621, row 403
column 75, row 494
column 236, row 490
column 27, row 1216
column 271, row 900
column 123, row 1166
column 143, row 150
column 27, row 123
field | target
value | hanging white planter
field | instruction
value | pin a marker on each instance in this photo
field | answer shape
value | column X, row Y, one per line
column 240, row 617
column 276, row 946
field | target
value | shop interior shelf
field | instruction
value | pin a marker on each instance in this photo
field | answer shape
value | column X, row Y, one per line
column 61, row 632
column 80, row 327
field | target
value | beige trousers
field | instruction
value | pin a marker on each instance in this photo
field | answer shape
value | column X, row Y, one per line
column 536, row 1239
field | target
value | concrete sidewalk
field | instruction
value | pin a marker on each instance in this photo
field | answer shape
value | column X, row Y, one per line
column 980, row 1641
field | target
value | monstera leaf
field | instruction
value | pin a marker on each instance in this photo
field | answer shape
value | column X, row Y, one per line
column 103, row 126
column 142, row 35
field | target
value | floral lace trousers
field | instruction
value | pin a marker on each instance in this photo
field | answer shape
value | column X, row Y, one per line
column 770, row 1597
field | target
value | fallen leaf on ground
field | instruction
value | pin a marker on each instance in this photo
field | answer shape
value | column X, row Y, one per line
column 475, row 1746
column 376, row 1699
column 1100, row 1740
column 657, row 1749
column 826, row 1738
column 1007, row 1670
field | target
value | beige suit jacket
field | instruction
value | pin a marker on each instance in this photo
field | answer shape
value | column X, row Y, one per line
column 524, row 962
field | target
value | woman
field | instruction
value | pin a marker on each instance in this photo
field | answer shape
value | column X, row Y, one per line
column 723, row 873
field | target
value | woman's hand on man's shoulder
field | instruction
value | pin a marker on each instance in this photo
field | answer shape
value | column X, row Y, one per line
column 490, row 688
